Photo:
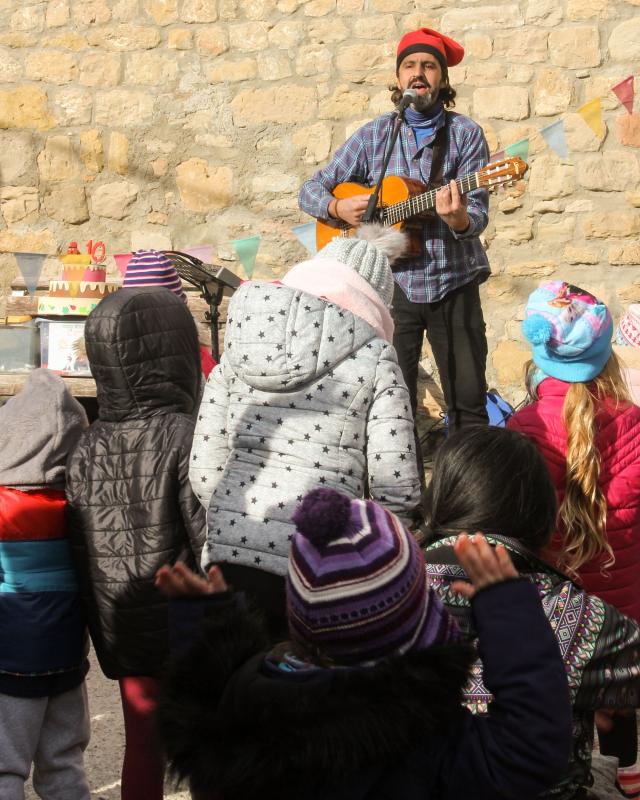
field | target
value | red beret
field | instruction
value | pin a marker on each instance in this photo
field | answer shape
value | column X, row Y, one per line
column 424, row 40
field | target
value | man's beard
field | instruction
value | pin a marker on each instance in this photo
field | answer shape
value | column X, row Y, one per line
column 425, row 102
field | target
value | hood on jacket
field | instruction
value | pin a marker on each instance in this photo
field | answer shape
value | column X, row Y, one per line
column 142, row 346
column 230, row 721
column 279, row 338
column 38, row 429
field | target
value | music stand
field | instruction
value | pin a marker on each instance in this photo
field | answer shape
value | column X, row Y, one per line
column 213, row 281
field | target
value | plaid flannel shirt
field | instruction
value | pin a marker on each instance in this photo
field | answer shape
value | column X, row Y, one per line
column 449, row 259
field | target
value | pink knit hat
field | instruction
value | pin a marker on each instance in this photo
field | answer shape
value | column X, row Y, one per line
column 628, row 332
column 151, row 268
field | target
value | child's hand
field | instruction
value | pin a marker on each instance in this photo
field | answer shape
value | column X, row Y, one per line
column 180, row 581
column 482, row 563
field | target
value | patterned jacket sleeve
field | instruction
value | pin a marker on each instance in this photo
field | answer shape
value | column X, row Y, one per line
column 348, row 164
column 210, row 448
column 475, row 156
column 611, row 678
column 391, row 458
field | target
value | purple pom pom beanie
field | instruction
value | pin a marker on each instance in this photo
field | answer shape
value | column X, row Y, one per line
column 569, row 331
column 357, row 587
column 151, row 268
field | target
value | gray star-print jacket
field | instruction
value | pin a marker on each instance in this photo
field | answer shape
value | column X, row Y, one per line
column 306, row 394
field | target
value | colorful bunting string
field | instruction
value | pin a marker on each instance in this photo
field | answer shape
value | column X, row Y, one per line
column 247, row 250
column 30, row 266
column 306, row 235
column 519, row 148
column 202, row 251
column 624, row 91
column 591, row 113
column 122, row 260
column 554, row 136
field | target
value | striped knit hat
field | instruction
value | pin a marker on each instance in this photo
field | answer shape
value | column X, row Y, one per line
column 357, row 587
column 151, row 268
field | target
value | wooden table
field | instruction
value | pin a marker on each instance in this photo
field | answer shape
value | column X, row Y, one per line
column 12, row 382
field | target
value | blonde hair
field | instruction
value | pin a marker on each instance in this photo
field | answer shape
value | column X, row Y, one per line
column 583, row 512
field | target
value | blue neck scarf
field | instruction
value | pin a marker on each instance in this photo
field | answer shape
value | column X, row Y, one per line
column 424, row 125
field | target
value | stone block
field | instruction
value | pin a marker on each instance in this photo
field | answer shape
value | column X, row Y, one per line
column 611, row 225
column 579, row 136
column 30, row 242
column 125, row 10
column 28, row 18
column 57, row 13
column 313, row 59
column 17, row 157
column 125, row 37
column 327, row 31
column 257, row 9
column 352, row 7
column 73, row 107
column 628, row 130
column 113, row 200
column 599, row 85
column 199, row 11
column 587, row 9
column 556, row 228
column 25, row 107
column 632, row 197
column 549, row 179
column 357, row 63
column 377, row 27
column 100, row 69
column 151, row 238
column 118, row 158
column 67, row 204
column 19, row 204
column 249, row 37
column 490, row 17
column 232, row 71
column 612, row 171
column 575, row 254
column 478, row 45
column 274, row 66
column 527, row 46
column 531, row 269
column 287, row 103
column 68, row 40
column 481, row 74
column 275, row 181
column 212, row 41
column 519, row 73
column 151, row 69
column 228, row 9
column 286, row 34
column 343, row 103
column 625, row 255
column 163, row 12
column 124, row 108
column 52, row 67
column 552, row 93
column 547, row 13
column 513, row 230
column 91, row 150
column 501, row 102
column 91, row 12
column 18, row 39
column 10, row 68
column 179, row 39
column 624, row 41
column 575, row 48
column 319, row 8
column 313, row 142
column 58, row 161
column 509, row 359
column 203, row 187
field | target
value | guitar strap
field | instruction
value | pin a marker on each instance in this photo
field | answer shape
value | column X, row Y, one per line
column 439, row 151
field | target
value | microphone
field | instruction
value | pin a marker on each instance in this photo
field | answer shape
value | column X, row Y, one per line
column 408, row 96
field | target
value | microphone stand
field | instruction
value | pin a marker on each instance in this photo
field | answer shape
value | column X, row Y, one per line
column 370, row 210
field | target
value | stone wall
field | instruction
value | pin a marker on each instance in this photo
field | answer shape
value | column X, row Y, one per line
column 168, row 123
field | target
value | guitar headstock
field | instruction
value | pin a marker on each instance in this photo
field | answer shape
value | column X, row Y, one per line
column 502, row 173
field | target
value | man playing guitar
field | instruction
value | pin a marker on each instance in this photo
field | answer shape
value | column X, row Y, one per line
column 437, row 289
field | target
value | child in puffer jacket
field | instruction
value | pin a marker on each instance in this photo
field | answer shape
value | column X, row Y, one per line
column 583, row 422
column 363, row 702
column 44, row 718
column 131, row 507
column 308, row 393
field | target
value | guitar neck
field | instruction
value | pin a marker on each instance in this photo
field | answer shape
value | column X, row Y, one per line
column 420, row 203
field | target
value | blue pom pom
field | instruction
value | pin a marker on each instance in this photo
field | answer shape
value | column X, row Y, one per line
column 537, row 329
column 323, row 515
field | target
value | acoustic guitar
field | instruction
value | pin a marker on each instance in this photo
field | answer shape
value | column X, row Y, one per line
column 404, row 199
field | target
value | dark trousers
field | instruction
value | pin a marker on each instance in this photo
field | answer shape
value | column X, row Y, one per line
column 457, row 335
column 621, row 740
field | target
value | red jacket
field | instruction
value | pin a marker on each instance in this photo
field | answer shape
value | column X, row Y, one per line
column 618, row 440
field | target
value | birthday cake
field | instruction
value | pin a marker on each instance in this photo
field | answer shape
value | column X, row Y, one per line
column 78, row 290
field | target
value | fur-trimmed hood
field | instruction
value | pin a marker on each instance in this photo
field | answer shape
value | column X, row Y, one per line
column 233, row 723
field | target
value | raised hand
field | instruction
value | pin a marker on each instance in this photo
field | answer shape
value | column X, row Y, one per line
column 451, row 207
column 179, row 581
column 349, row 209
column 483, row 564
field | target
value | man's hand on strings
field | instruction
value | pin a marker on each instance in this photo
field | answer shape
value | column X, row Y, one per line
column 349, row 209
column 451, row 207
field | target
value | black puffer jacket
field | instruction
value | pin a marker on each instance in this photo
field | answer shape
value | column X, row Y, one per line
column 131, row 508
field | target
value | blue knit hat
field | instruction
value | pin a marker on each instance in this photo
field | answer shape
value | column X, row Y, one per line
column 569, row 330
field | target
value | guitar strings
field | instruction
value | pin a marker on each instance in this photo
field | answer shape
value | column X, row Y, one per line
column 395, row 213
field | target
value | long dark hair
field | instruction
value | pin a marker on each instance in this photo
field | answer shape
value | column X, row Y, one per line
column 491, row 480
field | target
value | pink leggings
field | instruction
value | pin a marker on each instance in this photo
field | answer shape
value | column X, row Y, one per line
column 143, row 766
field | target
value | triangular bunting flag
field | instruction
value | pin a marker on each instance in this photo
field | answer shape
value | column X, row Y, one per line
column 202, row 251
column 247, row 250
column 624, row 91
column 306, row 235
column 122, row 260
column 30, row 265
column 498, row 156
column 591, row 113
column 520, row 148
column 554, row 136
